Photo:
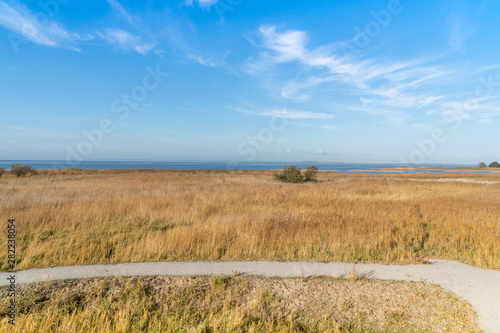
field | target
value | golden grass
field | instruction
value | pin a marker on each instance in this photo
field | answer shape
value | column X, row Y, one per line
column 236, row 304
column 85, row 217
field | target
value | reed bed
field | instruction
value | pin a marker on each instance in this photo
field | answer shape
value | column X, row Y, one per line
column 72, row 217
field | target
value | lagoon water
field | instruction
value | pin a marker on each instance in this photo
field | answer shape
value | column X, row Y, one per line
column 228, row 165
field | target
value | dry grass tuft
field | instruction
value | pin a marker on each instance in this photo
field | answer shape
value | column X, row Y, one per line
column 352, row 274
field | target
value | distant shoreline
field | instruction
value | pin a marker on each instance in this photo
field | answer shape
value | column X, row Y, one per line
column 454, row 170
column 387, row 171
column 239, row 165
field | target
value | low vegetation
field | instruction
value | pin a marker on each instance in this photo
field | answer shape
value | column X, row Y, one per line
column 483, row 165
column 2, row 171
column 293, row 174
column 22, row 170
column 235, row 304
column 72, row 217
column 311, row 174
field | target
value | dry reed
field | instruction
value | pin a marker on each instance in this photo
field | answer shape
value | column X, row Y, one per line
column 74, row 217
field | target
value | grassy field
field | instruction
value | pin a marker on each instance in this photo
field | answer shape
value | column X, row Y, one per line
column 236, row 304
column 85, row 217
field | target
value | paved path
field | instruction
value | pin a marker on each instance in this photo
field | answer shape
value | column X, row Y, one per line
column 480, row 287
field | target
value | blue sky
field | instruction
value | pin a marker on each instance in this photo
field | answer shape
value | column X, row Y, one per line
column 350, row 81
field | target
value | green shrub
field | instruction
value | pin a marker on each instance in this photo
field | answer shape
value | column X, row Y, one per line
column 2, row 171
column 494, row 165
column 291, row 174
column 22, row 170
column 311, row 173
column 482, row 165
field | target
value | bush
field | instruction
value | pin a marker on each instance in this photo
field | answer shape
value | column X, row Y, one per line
column 311, row 173
column 495, row 165
column 22, row 170
column 482, row 165
column 2, row 171
column 290, row 175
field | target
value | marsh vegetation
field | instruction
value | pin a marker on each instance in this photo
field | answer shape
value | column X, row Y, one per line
column 74, row 217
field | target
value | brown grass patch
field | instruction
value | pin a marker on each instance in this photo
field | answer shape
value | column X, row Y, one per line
column 85, row 217
column 236, row 304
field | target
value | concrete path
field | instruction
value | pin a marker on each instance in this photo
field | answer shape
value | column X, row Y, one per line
column 480, row 287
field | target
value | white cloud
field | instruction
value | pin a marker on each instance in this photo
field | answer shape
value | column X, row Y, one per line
column 116, row 5
column 479, row 109
column 42, row 131
column 424, row 127
column 384, row 88
column 291, row 46
column 202, row 3
column 319, row 152
column 209, row 62
column 459, row 29
column 159, row 53
column 126, row 41
column 329, row 127
column 286, row 113
column 293, row 89
column 20, row 20
column 394, row 98
column 288, row 46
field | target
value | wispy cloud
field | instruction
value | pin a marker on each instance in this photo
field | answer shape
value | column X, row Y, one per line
column 459, row 29
column 394, row 98
column 125, row 40
column 320, row 152
column 425, row 127
column 291, row 46
column 202, row 3
column 119, row 8
column 485, row 121
column 478, row 109
column 383, row 88
column 19, row 19
column 287, row 113
column 293, row 90
column 329, row 127
column 205, row 61
column 183, row 37
column 52, row 133
column 31, row 129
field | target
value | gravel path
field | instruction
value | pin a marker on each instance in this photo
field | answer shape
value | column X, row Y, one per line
column 480, row 287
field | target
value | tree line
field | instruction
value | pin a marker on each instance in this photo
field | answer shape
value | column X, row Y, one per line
column 492, row 165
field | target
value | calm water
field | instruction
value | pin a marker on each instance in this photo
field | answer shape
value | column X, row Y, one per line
column 218, row 165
